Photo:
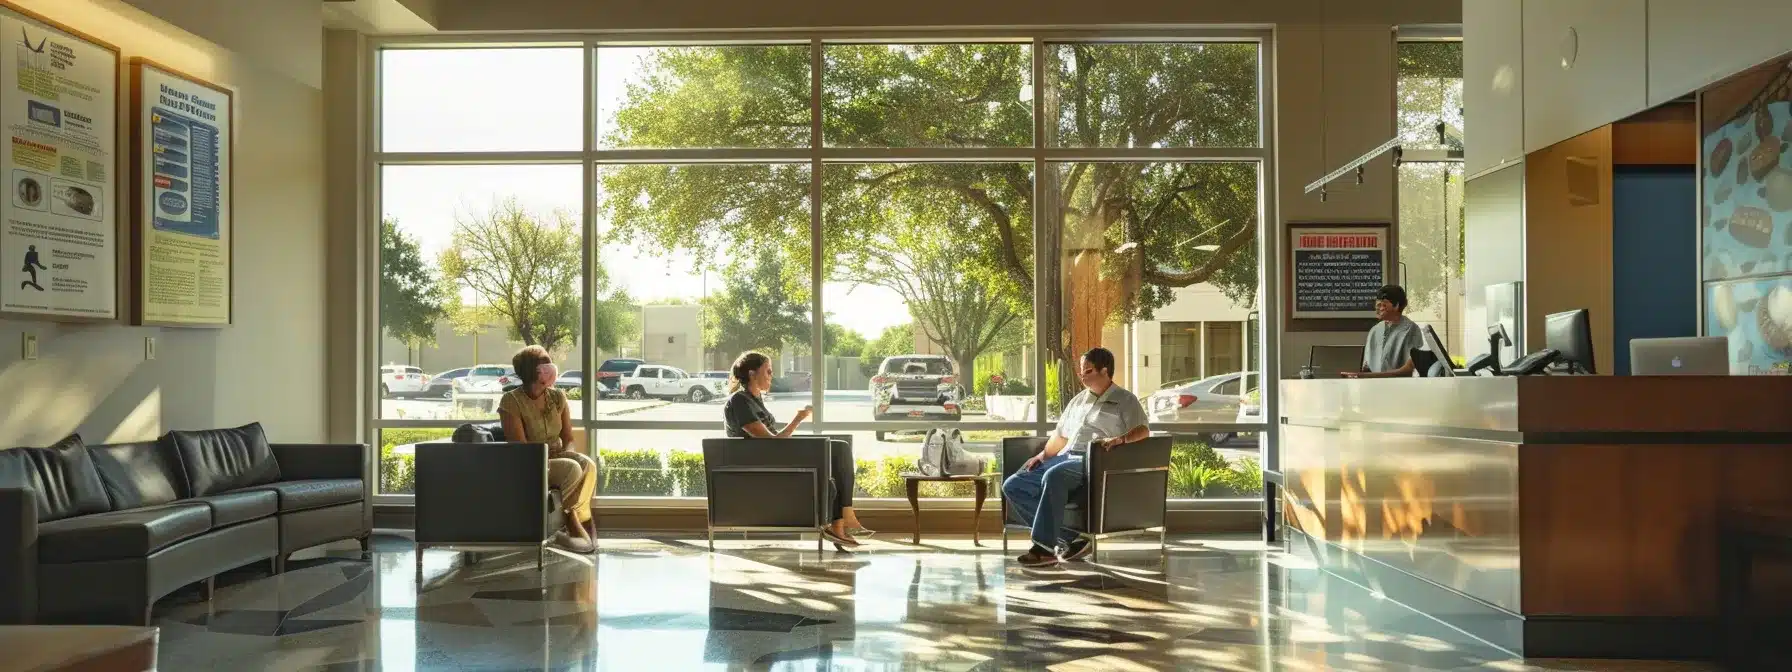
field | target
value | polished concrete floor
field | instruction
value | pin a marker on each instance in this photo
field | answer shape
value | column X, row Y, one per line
column 665, row 603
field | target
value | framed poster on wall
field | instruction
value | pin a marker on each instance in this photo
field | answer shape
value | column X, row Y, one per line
column 59, row 216
column 1335, row 270
column 183, row 233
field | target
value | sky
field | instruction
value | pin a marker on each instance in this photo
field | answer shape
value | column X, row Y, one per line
column 428, row 106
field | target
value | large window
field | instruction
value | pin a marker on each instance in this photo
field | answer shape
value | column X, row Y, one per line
column 1431, row 213
column 927, row 239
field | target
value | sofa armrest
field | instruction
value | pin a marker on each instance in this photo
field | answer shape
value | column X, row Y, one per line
column 300, row 461
column 18, row 556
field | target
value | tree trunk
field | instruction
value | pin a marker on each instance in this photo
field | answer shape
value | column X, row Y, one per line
column 967, row 371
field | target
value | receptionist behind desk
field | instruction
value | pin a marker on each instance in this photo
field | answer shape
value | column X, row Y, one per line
column 1387, row 354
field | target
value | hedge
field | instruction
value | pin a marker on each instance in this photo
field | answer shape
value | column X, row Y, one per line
column 398, row 472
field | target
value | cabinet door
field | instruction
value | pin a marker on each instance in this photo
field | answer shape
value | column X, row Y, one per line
column 1692, row 44
column 1585, row 66
column 1493, row 81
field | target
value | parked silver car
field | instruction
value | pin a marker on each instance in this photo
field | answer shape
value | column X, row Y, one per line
column 1216, row 399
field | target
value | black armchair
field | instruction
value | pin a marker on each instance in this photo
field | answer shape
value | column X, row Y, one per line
column 485, row 495
column 768, row 485
column 1126, row 493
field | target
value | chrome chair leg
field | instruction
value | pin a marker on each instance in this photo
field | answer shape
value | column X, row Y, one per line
column 712, row 540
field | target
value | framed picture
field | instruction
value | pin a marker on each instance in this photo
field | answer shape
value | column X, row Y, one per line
column 59, row 223
column 183, row 233
column 1333, row 273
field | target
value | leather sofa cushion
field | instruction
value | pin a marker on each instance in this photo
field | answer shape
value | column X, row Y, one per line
column 138, row 474
column 120, row 535
column 221, row 460
column 62, row 476
column 314, row 493
column 230, row 508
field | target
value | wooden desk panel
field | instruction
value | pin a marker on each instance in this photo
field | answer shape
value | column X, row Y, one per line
column 1726, row 404
column 1632, row 529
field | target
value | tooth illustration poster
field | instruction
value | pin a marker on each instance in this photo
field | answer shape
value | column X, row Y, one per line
column 183, row 228
column 58, row 164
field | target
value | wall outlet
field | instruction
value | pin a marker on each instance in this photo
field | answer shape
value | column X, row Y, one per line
column 149, row 347
column 28, row 347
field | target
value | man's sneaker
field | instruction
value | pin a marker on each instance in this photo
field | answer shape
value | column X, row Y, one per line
column 1078, row 550
column 1038, row 557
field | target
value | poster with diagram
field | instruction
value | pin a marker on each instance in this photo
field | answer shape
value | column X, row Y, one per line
column 58, row 226
column 183, row 232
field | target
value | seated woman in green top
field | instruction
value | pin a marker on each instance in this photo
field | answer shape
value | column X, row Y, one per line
column 537, row 412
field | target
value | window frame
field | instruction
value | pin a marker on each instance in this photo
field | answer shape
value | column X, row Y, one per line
column 818, row 154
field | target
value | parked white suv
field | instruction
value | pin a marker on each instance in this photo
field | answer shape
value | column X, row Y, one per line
column 664, row 382
column 398, row 380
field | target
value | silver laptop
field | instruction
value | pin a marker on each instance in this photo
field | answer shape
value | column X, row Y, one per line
column 1700, row 356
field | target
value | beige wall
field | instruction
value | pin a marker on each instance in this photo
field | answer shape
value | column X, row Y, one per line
column 1335, row 100
column 269, row 366
column 285, row 36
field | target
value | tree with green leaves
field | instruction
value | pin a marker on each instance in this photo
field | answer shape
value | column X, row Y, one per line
column 1127, row 234
column 522, row 270
column 897, row 340
column 756, row 309
column 1431, row 208
column 410, row 298
column 839, row 341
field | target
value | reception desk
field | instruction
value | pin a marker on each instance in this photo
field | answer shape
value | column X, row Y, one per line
column 1565, row 516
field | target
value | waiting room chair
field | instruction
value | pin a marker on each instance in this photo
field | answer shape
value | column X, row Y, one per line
column 768, row 485
column 1126, row 494
column 485, row 495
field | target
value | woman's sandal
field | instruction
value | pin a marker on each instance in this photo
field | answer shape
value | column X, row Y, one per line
column 840, row 543
column 860, row 532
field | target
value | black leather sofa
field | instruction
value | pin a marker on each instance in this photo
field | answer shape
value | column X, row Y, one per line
column 98, row 534
column 1126, row 494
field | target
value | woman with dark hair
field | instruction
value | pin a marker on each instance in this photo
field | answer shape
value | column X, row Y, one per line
column 537, row 412
column 746, row 416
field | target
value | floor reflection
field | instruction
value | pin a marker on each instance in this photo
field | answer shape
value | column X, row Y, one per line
column 663, row 603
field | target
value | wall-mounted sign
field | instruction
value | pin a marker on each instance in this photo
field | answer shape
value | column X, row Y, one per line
column 1336, row 269
column 58, row 161
column 181, row 167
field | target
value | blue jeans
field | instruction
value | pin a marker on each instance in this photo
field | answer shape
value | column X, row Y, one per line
column 1037, row 497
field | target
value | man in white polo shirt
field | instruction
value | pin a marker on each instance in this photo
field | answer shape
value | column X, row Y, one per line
column 1101, row 417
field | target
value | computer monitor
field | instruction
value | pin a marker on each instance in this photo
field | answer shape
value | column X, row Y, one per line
column 1700, row 356
column 1570, row 334
column 1446, row 367
column 1327, row 361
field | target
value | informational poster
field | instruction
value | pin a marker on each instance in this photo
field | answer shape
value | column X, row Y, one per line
column 183, row 227
column 1337, row 270
column 59, row 234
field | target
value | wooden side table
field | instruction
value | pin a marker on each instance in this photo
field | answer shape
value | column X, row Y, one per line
column 914, row 480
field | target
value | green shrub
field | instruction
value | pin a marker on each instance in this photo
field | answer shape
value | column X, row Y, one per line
column 575, row 394
column 1196, row 470
column 883, row 478
column 1196, row 453
column 635, row 472
column 398, row 473
column 687, row 471
column 399, row 437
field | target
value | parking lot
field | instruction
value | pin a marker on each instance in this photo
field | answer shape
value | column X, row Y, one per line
column 841, row 406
